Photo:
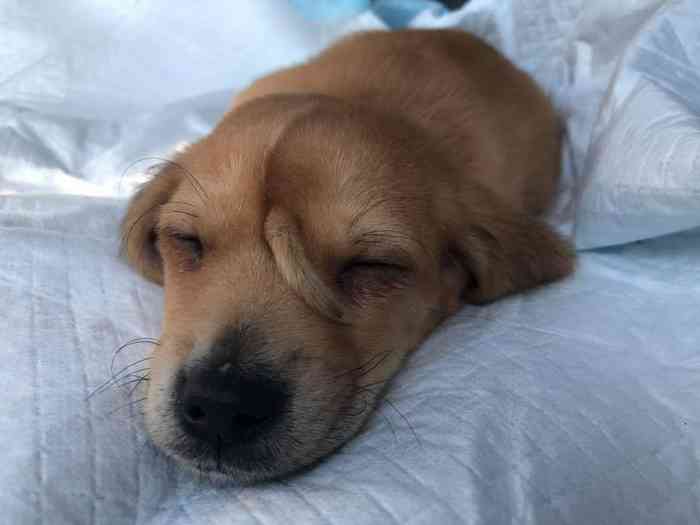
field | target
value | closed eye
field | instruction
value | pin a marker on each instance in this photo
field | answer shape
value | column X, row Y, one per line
column 187, row 247
column 191, row 242
column 362, row 278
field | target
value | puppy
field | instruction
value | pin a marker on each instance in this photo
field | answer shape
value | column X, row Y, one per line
column 333, row 218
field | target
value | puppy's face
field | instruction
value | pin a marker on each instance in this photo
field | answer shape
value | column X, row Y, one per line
column 305, row 248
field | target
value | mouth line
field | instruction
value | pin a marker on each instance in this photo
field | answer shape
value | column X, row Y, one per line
column 216, row 468
column 222, row 455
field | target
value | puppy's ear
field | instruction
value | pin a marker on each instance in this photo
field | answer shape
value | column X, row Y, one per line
column 504, row 251
column 139, row 235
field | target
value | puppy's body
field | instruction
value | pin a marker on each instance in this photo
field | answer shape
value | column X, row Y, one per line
column 332, row 219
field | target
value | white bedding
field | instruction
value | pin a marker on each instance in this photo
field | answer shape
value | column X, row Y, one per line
column 577, row 403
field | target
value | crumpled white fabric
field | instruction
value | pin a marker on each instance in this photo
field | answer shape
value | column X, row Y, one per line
column 88, row 90
column 577, row 403
column 641, row 173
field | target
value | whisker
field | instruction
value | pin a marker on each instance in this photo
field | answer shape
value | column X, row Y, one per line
column 196, row 185
column 125, row 237
column 142, row 379
column 135, row 382
column 375, row 365
column 380, row 356
column 376, row 383
column 116, row 378
column 366, row 389
column 391, row 427
column 132, row 381
column 136, row 340
column 133, row 374
column 126, row 368
column 408, row 424
column 366, row 405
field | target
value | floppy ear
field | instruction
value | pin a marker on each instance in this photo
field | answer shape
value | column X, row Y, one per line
column 504, row 251
column 139, row 235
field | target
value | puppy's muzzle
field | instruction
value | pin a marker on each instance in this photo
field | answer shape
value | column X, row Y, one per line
column 223, row 403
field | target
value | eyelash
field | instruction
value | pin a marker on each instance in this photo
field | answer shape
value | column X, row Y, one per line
column 363, row 278
column 189, row 246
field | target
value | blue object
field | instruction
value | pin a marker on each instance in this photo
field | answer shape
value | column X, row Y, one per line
column 399, row 13
column 330, row 11
column 395, row 13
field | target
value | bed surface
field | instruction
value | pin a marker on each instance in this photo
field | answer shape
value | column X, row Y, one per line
column 577, row 403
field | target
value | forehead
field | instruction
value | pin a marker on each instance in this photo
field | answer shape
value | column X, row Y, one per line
column 222, row 176
column 343, row 161
column 327, row 166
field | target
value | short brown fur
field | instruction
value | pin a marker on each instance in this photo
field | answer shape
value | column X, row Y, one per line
column 424, row 155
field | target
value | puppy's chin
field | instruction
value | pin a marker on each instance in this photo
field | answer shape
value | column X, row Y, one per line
column 206, row 461
column 307, row 436
column 207, row 465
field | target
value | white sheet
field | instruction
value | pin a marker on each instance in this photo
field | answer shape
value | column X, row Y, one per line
column 642, row 174
column 577, row 403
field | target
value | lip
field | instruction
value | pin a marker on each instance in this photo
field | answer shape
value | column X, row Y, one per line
column 232, row 455
column 226, row 471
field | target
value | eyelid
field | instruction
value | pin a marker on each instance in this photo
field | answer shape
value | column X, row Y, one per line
column 177, row 233
column 185, row 237
column 390, row 261
column 363, row 277
column 187, row 244
column 378, row 264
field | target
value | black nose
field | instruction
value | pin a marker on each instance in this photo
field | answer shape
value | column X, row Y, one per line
column 225, row 404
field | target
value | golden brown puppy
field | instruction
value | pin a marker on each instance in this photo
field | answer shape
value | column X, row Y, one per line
column 331, row 220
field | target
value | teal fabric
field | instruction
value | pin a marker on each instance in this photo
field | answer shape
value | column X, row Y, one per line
column 395, row 13
column 330, row 11
column 399, row 13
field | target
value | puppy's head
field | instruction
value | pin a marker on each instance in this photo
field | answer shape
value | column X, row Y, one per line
column 305, row 248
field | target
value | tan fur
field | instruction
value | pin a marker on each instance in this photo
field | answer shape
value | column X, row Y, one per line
column 423, row 149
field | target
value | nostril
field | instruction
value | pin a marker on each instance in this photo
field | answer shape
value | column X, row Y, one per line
column 242, row 420
column 195, row 414
column 228, row 404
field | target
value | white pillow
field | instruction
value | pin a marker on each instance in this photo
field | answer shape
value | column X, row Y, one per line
column 641, row 175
